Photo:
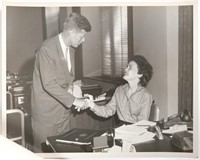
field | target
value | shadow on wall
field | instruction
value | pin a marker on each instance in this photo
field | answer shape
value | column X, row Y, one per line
column 27, row 67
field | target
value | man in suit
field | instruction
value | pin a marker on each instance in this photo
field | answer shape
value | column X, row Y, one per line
column 53, row 77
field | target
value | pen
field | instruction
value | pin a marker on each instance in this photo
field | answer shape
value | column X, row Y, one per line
column 72, row 142
column 143, row 125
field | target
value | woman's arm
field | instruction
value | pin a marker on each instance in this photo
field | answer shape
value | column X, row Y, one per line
column 107, row 110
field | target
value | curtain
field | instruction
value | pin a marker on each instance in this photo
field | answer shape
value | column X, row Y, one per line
column 114, row 40
column 185, row 64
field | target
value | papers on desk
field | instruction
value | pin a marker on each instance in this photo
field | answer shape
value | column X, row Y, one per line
column 130, row 129
column 133, row 134
column 100, row 98
column 114, row 149
column 145, row 123
column 175, row 129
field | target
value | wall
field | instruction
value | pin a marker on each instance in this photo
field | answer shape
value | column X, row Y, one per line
column 52, row 21
column 24, row 35
column 24, row 25
column 92, row 45
column 172, row 59
column 155, row 38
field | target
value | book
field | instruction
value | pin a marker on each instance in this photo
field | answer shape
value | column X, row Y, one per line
column 175, row 129
column 76, row 136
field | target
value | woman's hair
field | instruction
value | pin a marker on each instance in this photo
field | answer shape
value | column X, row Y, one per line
column 77, row 21
column 143, row 68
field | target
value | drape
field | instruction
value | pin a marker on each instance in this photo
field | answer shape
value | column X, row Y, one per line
column 185, row 61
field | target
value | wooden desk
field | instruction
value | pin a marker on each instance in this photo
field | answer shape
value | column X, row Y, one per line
column 75, row 135
column 151, row 146
column 157, row 146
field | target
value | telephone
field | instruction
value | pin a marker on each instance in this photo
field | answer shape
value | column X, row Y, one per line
column 165, row 123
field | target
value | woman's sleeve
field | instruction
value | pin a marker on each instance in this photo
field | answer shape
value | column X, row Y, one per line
column 146, row 103
column 107, row 110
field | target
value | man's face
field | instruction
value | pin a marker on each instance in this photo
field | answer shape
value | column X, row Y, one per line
column 77, row 37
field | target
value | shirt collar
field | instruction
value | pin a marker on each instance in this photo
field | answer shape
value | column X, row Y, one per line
column 125, row 88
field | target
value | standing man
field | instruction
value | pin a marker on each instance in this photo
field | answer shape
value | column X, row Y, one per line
column 52, row 80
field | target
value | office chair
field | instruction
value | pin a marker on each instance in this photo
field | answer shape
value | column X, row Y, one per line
column 154, row 113
column 15, row 126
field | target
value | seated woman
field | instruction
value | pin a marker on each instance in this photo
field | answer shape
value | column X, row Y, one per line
column 131, row 101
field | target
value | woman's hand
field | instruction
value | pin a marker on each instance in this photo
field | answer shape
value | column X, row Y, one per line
column 80, row 104
column 89, row 101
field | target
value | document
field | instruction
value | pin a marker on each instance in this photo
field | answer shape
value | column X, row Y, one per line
column 134, row 139
column 114, row 149
column 145, row 123
column 130, row 129
column 128, row 147
column 175, row 129
column 133, row 134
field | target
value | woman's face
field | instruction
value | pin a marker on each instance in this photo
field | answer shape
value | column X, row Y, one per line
column 77, row 37
column 131, row 72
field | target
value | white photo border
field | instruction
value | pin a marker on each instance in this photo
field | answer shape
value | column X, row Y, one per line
column 54, row 3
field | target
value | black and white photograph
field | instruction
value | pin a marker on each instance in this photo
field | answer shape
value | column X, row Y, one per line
column 104, row 79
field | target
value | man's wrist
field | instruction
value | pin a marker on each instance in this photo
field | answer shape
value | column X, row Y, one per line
column 75, row 102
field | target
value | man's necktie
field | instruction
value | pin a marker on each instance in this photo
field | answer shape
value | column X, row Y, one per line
column 67, row 58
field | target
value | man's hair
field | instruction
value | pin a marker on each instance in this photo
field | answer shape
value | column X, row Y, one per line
column 77, row 21
column 145, row 68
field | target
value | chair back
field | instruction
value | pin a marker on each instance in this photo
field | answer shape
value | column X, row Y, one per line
column 154, row 113
column 15, row 125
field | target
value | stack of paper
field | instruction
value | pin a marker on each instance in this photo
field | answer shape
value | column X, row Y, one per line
column 130, row 129
column 145, row 123
column 133, row 134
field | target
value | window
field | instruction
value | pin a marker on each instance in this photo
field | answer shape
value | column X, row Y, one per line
column 114, row 41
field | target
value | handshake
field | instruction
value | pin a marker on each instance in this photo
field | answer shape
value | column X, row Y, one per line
column 83, row 103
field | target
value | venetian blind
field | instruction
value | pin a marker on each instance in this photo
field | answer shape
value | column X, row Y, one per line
column 114, row 40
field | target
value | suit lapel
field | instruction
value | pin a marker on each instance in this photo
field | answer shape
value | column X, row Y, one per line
column 62, row 59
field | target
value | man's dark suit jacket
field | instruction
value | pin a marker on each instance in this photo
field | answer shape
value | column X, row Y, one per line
column 51, row 79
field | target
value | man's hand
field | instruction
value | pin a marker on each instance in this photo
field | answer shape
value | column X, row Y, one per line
column 80, row 104
column 78, row 83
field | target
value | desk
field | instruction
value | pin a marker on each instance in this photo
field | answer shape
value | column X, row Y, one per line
column 75, row 135
column 60, row 147
column 151, row 146
column 157, row 146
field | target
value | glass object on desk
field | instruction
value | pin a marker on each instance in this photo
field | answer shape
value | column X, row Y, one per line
column 186, row 116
